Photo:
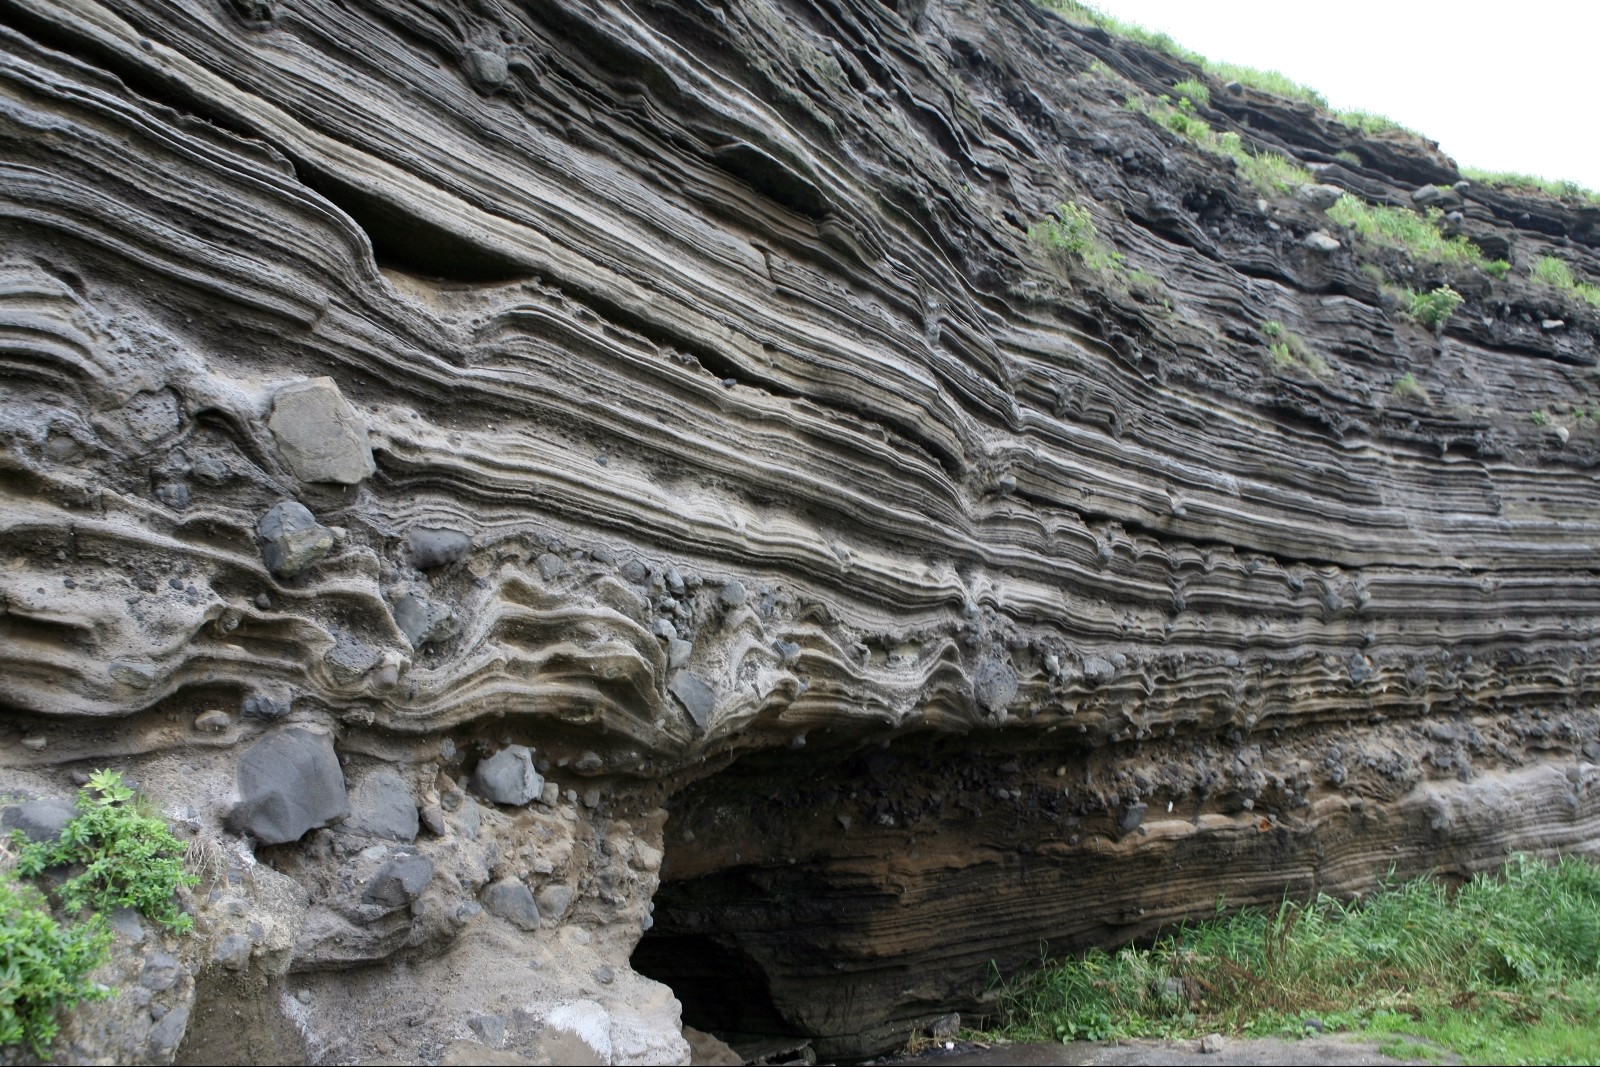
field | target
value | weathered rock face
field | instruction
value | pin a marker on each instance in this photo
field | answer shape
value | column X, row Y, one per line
column 641, row 442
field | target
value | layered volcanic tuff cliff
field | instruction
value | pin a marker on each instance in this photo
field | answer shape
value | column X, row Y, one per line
column 489, row 471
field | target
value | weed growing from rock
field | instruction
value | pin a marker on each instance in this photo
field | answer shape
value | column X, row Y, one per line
column 1406, row 387
column 115, row 854
column 1194, row 91
column 1555, row 273
column 1289, row 350
column 1504, row 179
column 44, row 966
column 1432, row 309
column 1418, row 234
column 1269, row 172
column 1071, row 238
column 124, row 857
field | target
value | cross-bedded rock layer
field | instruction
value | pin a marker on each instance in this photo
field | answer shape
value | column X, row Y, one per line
column 661, row 386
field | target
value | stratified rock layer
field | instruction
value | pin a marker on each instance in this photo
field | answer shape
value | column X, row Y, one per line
column 675, row 391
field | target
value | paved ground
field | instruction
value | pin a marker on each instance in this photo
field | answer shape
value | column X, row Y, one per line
column 1331, row 1051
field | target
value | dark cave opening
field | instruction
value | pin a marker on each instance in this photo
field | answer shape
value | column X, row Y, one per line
column 801, row 888
column 852, row 893
column 723, row 991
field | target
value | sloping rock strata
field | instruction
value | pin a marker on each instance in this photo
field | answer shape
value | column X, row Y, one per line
column 490, row 471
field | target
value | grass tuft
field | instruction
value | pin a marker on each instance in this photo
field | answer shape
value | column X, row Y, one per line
column 1433, row 308
column 1071, row 239
column 1403, row 228
column 1194, row 91
column 1505, row 179
column 1269, row 172
column 1406, row 387
column 1555, row 273
column 1370, row 123
column 1289, row 350
column 1504, row 970
column 1268, row 81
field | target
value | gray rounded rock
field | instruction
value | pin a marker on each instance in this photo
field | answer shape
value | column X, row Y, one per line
column 39, row 820
column 1318, row 197
column 513, row 902
column 381, row 805
column 399, row 881
column 267, row 707
column 232, row 953
column 994, row 685
column 424, row 622
column 291, row 539
column 553, row 900
column 508, row 777
column 319, row 433
column 289, row 782
column 436, row 546
column 1097, row 670
column 488, row 70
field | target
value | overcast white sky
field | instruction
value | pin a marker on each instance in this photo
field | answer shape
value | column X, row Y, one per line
column 1512, row 87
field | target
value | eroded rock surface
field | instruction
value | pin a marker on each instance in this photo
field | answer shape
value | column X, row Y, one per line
column 672, row 397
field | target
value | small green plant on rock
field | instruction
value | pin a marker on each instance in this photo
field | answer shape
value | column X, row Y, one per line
column 128, row 857
column 1194, row 91
column 1539, row 418
column 1289, row 350
column 1370, row 123
column 1146, row 286
column 114, row 853
column 44, row 966
column 1099, row 69
column 1272, row 174
column 1408, row 388
column 1432, row 309
column 1555, row 273
column 1531, row 182
column 1071, row 238
column 1396, row 227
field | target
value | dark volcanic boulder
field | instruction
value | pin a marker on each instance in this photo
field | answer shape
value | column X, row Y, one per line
column 289, row 782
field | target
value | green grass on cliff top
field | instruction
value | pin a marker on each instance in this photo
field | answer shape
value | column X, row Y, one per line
column 1504, row 970
column 1280, row 84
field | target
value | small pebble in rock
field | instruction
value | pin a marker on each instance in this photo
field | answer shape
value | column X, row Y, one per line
column 213, row 721
column 34, row 744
